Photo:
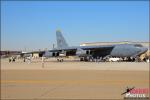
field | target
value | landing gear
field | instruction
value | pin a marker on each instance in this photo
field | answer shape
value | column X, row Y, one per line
column 134, row 59
column 85, row 58
column 81, row 59
column 91, row 59
column 60, row 60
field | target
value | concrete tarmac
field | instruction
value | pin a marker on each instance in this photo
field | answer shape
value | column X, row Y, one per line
column 71, row 80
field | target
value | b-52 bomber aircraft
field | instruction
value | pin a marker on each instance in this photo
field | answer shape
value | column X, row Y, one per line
column 88, row 53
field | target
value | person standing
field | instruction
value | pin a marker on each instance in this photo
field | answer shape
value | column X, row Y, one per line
column 42, row 62
column 9, row 59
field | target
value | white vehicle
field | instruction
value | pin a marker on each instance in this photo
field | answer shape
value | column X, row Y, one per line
column 114, row 59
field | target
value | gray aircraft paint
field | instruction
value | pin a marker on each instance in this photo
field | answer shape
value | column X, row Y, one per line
column 118, row 50
column 61, row 42
column 127, row 50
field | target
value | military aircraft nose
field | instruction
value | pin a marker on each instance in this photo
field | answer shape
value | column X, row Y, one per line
column 144, row 49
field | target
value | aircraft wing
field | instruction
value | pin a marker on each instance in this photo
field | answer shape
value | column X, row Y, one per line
column 101, row 50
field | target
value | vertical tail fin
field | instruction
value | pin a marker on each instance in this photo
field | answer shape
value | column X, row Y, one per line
column 61, row 42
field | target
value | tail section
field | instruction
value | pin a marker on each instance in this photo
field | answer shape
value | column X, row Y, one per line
column 61, row 42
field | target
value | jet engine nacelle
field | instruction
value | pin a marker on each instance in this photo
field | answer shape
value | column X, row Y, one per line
column 81, row 52
column 50, row 54
column 62, row 54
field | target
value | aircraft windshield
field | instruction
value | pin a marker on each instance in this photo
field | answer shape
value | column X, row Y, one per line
column 138, row 45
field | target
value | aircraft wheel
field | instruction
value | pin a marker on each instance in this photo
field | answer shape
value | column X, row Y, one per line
column 81, row 59
column 85, row 59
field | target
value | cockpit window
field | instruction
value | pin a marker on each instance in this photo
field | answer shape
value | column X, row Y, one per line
column 138, row 45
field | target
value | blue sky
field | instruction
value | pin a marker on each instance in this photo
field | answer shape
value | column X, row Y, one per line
column 33, row 24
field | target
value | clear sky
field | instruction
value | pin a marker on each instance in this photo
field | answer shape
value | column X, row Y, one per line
column 33, row 24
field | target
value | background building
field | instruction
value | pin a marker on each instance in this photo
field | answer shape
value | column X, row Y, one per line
column 111, row 43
